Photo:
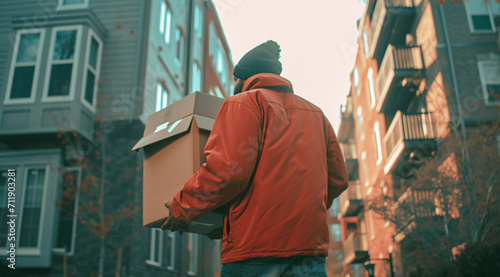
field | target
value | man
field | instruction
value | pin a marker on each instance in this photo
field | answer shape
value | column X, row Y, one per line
column 274, row 159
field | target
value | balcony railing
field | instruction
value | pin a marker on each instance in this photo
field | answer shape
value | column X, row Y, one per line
column 400, row 73
column 415, row 204
column 409, row 132
column 390, row 23
column 355, row 248
column 346, row 128
column 351, row 158
column 351, row 200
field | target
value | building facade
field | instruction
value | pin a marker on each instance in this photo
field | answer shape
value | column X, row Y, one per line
column 426, row 79
column 78, row 80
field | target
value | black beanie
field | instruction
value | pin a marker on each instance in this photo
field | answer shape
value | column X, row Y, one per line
column 262, row 59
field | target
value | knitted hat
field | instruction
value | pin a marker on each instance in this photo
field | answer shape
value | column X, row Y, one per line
column 262, row 59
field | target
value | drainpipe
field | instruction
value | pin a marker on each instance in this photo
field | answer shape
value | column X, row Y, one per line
column 457, row 100
column 188, row 62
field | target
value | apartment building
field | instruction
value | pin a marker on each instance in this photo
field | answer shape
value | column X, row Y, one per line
column 78, row 80
column 426, row 75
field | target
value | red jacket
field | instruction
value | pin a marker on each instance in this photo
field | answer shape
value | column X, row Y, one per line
column 274, row 157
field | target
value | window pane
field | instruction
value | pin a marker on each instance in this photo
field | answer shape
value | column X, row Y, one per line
column 67, row 209
column 72, row 2
column 493, row 93
column 167, row 26
column 335, row 232
column 3, row 208
column 162, row 17
column 481, row 22
column 32, row 208
column 94, row 49
column 89, row 87
column 60, row 79
column 22, row 82
column 28, row 47
column 64, row 48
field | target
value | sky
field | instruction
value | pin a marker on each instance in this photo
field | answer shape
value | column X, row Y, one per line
column 317, row 38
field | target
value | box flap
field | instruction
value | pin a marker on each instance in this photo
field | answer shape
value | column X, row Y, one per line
column 204, row 122
column 196, row 103
column 165, row 130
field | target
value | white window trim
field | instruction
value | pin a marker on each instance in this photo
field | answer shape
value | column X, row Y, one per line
column 484, row 82
column 76, row 60
column 71, row 252
column 371, row 88
column 471, row 26
column 160, row 92
column 91, row 106
column 193, row 263
column 32, row 251
column 155, row 242
column 378, row 141
column 168, row 25
column 163, row 10
column 180, row 60
column 61, row 6
column 36, row 74
column 172, row 237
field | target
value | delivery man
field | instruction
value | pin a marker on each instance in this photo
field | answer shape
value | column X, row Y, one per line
column 274, row 159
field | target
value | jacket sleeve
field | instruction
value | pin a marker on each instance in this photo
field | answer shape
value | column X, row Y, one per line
column 231, row 152
column 337, row 171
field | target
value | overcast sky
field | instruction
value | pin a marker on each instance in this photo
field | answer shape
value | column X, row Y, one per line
column 317, row 38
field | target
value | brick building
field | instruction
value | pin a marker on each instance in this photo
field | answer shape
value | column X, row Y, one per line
column 78, row 80
column 425, row 76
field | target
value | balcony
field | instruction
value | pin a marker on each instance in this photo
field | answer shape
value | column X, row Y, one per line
column 398, row 78
column 355, row 248
column 346, row 128
column 408, row 140
column 413, row 206
column 391, row 21
column 351, row 159
column 351, row 200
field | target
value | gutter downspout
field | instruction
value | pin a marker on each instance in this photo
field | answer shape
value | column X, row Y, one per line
column 456, row 95
column 189, row 56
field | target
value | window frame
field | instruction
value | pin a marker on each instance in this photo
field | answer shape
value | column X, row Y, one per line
column 152, row 260
column 378, row 142
column 50, row 62
column 36, row 74
column 61, row 6
column 196, row 77
column 484, row 81
column 371, row 88
column 471, row 24
column 71, row 252
column 180, row 50
column 160, row 92
column 171, row 263
column 91, row 34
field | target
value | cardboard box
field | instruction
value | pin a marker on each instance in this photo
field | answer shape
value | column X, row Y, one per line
column 173, row 143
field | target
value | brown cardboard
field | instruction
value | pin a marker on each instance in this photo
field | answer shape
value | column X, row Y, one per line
column 173, row 143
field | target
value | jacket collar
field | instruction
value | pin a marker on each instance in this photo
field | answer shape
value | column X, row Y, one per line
column 269, row 81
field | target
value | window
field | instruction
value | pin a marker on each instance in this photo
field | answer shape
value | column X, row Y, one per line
column 360, row 123
column 4, row 207
column 378, row 142
column 179, row 41
column 171, row 238
column 72, row 4
column 364, row 170
column 371, row 87
column 198, row 20
column 91, row 71
column 193, row 254
column 23, row 79
column 482, row 15
column 355, row 77
column 32, row 207
column 68, row 207
column 335, row 232
column 155, row 247
column 196, row 78
column 365, row 43
column 372, row 225
column 334, row 209
column 61, row 73
column 489, row 72
column 161, row 97
column 165, row 21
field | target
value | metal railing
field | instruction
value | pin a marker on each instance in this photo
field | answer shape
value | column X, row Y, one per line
column 346, row 110
column 353, row 192
column 353, row 243
column 416, row 203
column 408, row 127
column 397, row 58
column 349, row 151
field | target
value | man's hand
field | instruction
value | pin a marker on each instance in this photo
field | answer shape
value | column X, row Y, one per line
column 172, row 223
